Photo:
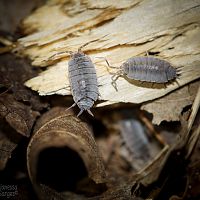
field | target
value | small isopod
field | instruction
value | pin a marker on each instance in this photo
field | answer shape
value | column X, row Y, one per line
column 134, row 137
column 83, row 80
column 147, row 69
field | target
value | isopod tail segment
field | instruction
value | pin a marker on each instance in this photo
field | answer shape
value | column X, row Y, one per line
column 81, row 111
column 115, row 75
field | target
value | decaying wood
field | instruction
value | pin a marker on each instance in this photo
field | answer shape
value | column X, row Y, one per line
column 60, row 129
column 169, row 29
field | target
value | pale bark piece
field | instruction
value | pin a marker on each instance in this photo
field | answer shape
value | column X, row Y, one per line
column 69, row 17
column 169, row 108
column 129, row 28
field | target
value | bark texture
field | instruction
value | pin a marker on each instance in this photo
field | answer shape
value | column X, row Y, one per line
column 167, row 29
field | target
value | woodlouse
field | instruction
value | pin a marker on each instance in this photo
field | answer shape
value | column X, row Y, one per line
column 147, row 69
column 83, row 81
column 134, row 137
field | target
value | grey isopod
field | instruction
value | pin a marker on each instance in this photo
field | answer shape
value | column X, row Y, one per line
column 147, row 69
column 83, row 81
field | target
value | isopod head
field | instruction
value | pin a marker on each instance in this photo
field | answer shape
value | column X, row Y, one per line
column 76, row 55
column 124, row 68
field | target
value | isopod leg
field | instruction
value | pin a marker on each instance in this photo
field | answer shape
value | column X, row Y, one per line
column 108, row 66
column 114, row 79
column 177, row 83
column 147, row 53
column 99, row 95
column 179, row 70
column 142, row 82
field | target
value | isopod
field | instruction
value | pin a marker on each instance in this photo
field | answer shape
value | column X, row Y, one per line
column 83, row 81
column 147, row 69
column 134, row 137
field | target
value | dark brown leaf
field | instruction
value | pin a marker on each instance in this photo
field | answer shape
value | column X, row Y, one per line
column 53, row 194
column 13, row 73
column 8, row 142
column 63, row 132
column 6, row 148
column 18, row 115
column 167, row 175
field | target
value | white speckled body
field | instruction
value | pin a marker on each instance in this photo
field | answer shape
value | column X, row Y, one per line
column 149, row 69
column 83, row 81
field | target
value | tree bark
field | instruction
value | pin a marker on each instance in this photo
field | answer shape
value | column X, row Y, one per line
column 168, row 29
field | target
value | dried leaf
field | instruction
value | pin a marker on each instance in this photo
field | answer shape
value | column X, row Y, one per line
column 52, row 194
column 8, row 142
column 121, row 192
column 6, row 148
column 18, row 115
column 13, row 73
column 168, row 170
column 129, row 147
column 57, row 128
column 169, row 108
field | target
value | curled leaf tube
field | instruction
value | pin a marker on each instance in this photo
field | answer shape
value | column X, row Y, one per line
column 63, row 155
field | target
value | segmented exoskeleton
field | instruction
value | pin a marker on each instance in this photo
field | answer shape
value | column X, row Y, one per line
column 146, row 68
column 83, row 81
